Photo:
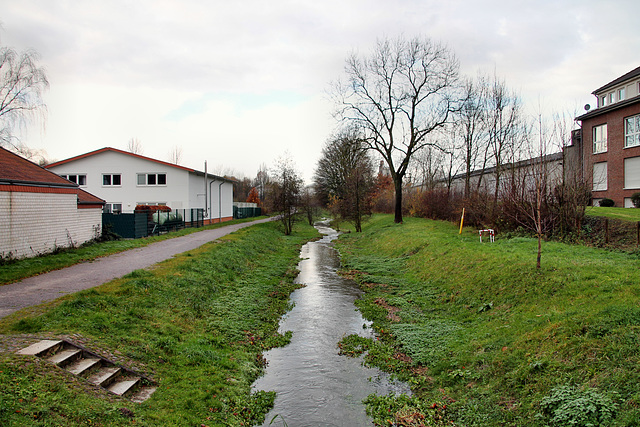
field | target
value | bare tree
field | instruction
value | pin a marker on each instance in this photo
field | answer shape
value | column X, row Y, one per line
column 398, row 95
column 284, row 197
column 135, row 146
column 175, row 155
column 425, row 168
column 241, row 189
column 506, row 129
column 261, row 181
column 22, row 83
column 344, row 178
column 308, row 204
column 471, row 127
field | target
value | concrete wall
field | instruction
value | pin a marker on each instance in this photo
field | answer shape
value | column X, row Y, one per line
column 33, row 223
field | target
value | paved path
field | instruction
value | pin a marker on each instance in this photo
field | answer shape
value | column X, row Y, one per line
column 49, row 286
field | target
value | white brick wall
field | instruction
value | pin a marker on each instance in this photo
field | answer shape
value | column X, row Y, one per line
column 35, row 223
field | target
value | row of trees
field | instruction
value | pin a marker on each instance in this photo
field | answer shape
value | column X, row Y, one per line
column 407, row 104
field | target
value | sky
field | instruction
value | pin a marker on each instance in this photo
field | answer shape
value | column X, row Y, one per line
column 242, row 84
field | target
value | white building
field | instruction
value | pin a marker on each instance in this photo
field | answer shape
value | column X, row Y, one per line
column 41, row 212
column 125, row 180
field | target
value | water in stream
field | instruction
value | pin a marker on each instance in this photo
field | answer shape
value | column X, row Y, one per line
column 315, row 385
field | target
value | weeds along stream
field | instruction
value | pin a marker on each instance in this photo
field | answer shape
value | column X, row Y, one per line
column 314, row 384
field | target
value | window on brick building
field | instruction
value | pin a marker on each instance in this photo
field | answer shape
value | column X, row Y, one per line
column 111, row 179
column 621, row 94
column 632, row 131
column 600, row 139
column 600, row 176
column 632, row 173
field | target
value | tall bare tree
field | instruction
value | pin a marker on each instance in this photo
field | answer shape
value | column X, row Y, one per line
column 175, row 154
column 398, row 95
column 506, row 129
column 22, row 83
column 471, row 127
column 344, row 177
column 285, row 187
column 135, row 146
column 261, row 181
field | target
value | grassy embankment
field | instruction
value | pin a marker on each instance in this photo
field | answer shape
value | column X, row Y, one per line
column 485, row 339
column 197, row 324
column 14, row 270
column 625, row 214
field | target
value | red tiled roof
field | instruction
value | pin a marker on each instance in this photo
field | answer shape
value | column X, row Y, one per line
column 16, row 169
column 85, row 197
column 19, row 174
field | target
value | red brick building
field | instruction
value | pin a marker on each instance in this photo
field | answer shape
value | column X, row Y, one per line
column 609, row 141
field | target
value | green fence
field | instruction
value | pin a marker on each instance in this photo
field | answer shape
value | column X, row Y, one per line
column 246, row 212
column 137, row 225
column 128, row 226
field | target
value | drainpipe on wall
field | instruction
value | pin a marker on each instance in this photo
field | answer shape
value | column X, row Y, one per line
column 220, row 201
column 205, row 188
column 211, row 199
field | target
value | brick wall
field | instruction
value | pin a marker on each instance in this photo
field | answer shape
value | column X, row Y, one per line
column 35, row 223
column 615, row 154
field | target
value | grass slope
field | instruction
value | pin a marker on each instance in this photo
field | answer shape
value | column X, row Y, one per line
column 13, row 270
column 197, row 323
column 485, row 339
column 625, row 214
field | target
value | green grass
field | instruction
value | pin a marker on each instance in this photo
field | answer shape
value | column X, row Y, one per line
column 484, row 338
column 197, row 323
column 625, row 214
column 14, row 270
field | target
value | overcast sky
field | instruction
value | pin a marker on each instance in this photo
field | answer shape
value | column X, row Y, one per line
column 240, row 84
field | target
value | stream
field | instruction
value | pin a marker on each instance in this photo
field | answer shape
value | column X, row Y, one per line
column 315, row 385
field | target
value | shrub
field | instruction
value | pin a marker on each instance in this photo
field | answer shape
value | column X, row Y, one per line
column 607, row 203
column 635, row 199
column 569, row 406
column 434, row 204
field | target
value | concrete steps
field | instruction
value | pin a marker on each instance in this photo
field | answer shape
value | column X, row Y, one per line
column 93, row 368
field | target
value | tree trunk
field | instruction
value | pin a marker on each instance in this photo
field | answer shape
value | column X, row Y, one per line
column 398, row 186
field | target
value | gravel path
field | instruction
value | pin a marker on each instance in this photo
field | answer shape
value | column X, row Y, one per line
column 46, row 287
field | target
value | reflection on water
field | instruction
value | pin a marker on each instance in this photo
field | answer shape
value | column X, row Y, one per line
column 315, row 386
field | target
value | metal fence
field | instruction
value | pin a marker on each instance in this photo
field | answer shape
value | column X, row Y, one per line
column 246, row 212
column 137, row 225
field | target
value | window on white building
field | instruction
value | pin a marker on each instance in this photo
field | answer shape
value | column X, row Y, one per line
column 600, row 176
column 612, row 98
column 632, row 131
column 78, row 179
column 600, row 139
column 621, row 94
column 603, row 100
column 111, row 179
column 114, row 208
column 152, row 179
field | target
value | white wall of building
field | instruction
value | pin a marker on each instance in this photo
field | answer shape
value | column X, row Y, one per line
column 37, row 223
column 130, row 193
column 184, row 188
